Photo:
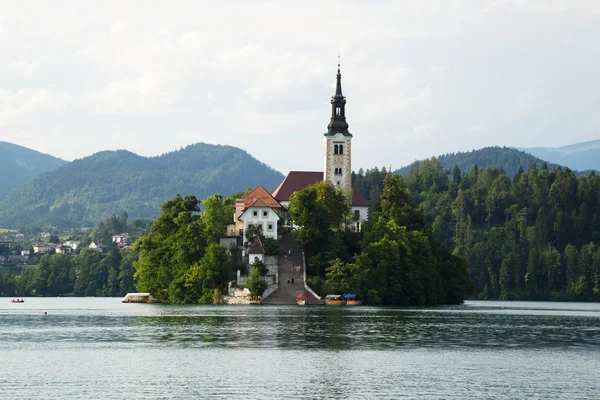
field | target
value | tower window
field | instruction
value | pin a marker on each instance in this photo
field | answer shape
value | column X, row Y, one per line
column 338, row 111
column 335, row 149
column 339, row 171
column 341, row 149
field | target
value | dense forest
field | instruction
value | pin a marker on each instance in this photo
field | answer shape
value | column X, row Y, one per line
column 393, row 260
column 19, row 164
column 532, row 236
column 88, row 190
column 91, row 273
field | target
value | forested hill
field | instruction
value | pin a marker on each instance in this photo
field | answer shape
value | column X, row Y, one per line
column 508, row 159
column 90, row 189
column 19, row 164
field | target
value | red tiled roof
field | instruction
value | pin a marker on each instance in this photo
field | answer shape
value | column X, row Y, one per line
column 261, row 193
column 298, row 180
column 257, row 247
column 359, row 199
column 259, row 203
column 295, row 181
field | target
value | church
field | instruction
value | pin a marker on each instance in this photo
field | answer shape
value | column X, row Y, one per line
column 264, row 208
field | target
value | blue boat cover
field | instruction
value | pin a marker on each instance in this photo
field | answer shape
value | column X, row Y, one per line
column 349, row 295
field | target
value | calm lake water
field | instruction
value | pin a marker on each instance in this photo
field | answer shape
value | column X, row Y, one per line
column 99, row 348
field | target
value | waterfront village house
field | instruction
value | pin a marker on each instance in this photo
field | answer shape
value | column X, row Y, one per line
column 96, row 246
column 338, row 163
column 42, row 248
column 121, row 238
column 74, row 244
column 63, row 249
column 257, row 208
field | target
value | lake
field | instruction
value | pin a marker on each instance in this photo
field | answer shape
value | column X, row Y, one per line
column 99, row 348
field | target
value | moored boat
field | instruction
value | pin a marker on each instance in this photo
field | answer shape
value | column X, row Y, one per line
column 352, row 300
column 334, row 300
column 17, row 301
column 302, row 299
column 138, row 298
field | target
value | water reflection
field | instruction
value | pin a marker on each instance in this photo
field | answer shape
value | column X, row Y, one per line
column 332, row 328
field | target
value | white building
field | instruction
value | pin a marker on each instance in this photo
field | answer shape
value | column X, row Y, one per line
column 96, row 246
column 258, row 208
column 74, row 244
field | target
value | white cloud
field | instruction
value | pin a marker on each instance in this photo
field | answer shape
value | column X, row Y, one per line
column 153, row 76
column 475, row 128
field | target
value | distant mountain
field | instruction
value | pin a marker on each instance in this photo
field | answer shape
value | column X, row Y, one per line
column 90, row 189
column 19, row 164
column 578, row 156
column 508, row 159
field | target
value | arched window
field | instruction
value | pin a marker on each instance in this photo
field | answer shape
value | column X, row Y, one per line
column 335, row 171
column 339, row 171
column 341, row 149
column 338, row 111
column 335, row 149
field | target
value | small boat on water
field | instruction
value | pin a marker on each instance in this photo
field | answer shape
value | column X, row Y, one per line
column 334, row 300
column 138, row 298
column 352, row 300
column 17, row 301
column 302, row 299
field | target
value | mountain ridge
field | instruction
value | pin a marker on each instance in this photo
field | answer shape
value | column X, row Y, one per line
column 89, row 189
column 507, row 158
column 20, row 164
column 577, row 156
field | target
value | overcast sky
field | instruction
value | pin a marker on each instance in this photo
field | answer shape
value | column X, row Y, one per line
column 421, row 78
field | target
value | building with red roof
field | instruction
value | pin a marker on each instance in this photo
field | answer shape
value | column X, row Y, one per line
column 267, row 209
column 338, row 162
column 260, row 208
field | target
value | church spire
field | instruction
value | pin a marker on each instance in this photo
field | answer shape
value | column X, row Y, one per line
column 338, row 85
column 338, row 123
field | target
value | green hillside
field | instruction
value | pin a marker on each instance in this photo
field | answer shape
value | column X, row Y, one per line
column 19, row 164
column 88, row 190
column 508, row 159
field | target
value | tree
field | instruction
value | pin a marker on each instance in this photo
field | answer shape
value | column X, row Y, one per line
column 206, row 276
column 256, row 284
column 252, row 232
column 216, row 216
column 258, row 264
column 396, row 203
column 176, row 241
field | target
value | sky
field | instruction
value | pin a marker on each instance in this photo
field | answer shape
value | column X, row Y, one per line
column 421, row 78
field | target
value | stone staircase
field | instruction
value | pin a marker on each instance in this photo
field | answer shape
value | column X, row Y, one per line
column 290, row 256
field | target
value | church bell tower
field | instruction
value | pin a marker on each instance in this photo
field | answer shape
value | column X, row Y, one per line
column 338, row 151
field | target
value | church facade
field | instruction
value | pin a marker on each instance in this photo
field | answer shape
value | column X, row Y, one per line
column 266, row 209
column 338, row 162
